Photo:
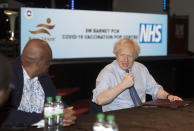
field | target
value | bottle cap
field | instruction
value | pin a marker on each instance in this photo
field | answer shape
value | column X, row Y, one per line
column 110, row 118
column 100, row 116
column 49, row 99
column 58, row 98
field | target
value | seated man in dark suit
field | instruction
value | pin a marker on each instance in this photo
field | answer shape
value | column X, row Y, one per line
column 5, row 78
column 32, row 86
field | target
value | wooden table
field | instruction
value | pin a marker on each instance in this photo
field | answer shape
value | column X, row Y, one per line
column 139, row 119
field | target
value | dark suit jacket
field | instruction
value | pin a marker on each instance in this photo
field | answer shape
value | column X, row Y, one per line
column 16, row 117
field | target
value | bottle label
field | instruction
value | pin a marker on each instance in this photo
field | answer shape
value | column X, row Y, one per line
column 49, row 112
column 59, row 112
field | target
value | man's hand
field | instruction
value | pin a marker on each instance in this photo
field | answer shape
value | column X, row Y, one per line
column 128, row 80
column 174, row 98
column 162, row 94
column 69, row 116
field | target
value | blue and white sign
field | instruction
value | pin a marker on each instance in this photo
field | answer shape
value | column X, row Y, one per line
column 92, row 34
column 150, row 33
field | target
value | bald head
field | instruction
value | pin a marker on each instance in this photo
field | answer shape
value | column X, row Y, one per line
column 35, row 49
column 36, row 56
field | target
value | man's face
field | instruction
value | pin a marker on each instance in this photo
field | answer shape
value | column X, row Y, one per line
column 125, row 58
column 43, row 67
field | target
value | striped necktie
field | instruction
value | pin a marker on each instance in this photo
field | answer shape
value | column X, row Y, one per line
column 134, row 95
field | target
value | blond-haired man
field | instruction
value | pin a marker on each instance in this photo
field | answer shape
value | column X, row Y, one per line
column 114, row 81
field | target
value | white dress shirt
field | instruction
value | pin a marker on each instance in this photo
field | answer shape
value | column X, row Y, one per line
column 33, row 95
column 112, row 75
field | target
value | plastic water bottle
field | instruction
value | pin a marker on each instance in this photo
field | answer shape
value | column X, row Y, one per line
column 99, row 124
column 49, row 113
column 111, row 125
column 59, row 110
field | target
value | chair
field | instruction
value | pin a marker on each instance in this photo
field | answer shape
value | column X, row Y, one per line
column 81, row 106
column 67, row 91
column 95, row 108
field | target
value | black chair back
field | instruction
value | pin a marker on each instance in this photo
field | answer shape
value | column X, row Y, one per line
column 95, row 108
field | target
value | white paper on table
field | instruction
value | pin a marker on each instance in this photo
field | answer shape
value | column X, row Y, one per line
column 39, row 124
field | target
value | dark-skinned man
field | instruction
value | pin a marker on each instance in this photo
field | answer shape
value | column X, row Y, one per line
column 32, row 86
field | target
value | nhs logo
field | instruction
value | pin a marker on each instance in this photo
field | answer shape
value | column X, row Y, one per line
column 150, row 33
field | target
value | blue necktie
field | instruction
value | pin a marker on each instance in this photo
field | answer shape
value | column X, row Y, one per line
column 134, row 95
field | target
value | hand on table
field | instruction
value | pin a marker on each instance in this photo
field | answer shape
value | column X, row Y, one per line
column 174, row 98
column 69, row 116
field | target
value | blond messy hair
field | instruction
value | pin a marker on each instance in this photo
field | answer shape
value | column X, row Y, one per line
column 126, row 43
